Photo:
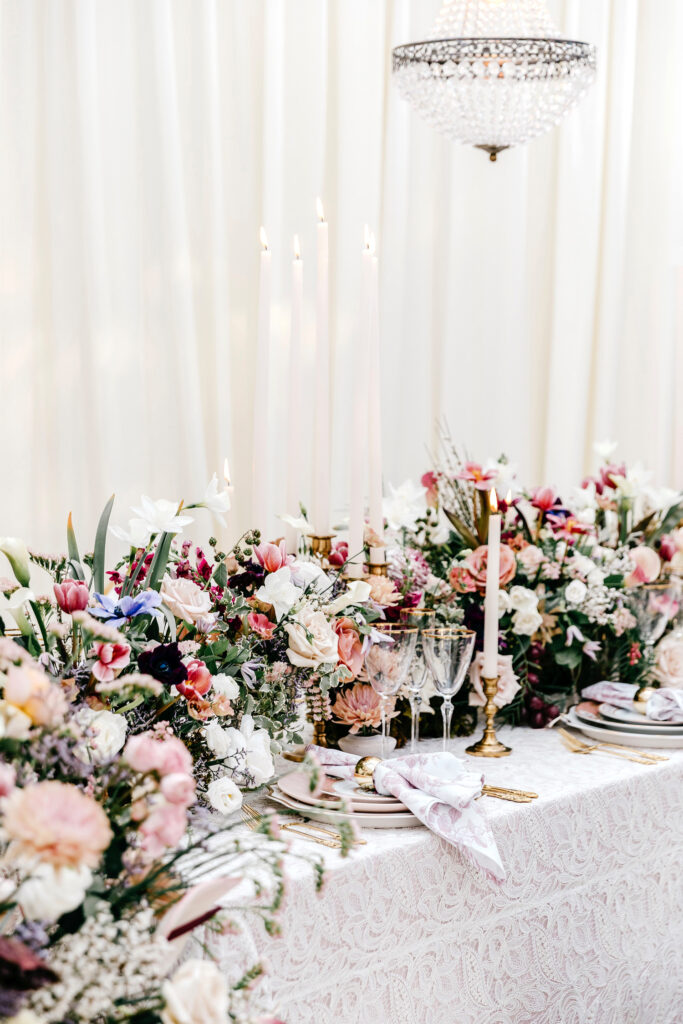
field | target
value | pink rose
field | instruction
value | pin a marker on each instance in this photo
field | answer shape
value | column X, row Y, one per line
column 544, row 498
column 178, row 788
column 8, row 777
column 350, row 646
column 508, row 684
column 72, row 595
column 158, row 752
column 531, row 558
column 273, row 556
column 261, row 625
column 164, row 827
column 647, row 566
column 111, row 659
column 30, row 690
column 477, row 560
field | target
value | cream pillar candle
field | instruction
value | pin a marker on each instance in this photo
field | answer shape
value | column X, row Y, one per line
column 261, row 433
column 320, row 503
column 376, row 517
column 359, row 428
column 490, row 670
column 295, row 444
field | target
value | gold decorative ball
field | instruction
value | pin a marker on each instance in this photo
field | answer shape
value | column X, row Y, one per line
column 364, row 771
column 642, row 697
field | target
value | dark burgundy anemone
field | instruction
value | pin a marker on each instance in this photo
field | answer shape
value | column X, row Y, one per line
column 164, row 663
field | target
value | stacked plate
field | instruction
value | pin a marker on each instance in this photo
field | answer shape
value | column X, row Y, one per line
column 623, row 726
column 366, row 809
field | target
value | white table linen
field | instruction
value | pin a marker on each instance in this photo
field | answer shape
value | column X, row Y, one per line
column 586, row 929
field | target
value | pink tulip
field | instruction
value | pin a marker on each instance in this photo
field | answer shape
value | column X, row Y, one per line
column 72, row 595
column 111, row 659
column 273, row 556
column 261, row 625
column 198, row 676
column 544, row 498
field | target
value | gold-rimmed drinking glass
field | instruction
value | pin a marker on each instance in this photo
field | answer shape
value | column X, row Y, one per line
column 654, row 606
column 448, row 651
column 422, row 619
column 388, row 662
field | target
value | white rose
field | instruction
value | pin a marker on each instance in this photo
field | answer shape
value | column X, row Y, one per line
column 526, row 621
column 223, row 742
column 108, row 735
column 583, row 565
column 196, row 994
column 309, row 575
column 312, row 641
column 50, row 892
column 669, row 662
column 260, row 764
column 503, row 603
column 523, row 599
column 596, row 577
column 279, row 591
column 226, row 686
column 576, row 592
column 185, row 599
column 224, row 795
column 26, row 1017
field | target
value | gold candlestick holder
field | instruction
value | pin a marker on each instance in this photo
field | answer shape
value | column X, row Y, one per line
column 489, row 745
column 321, row 546
column 319, row 737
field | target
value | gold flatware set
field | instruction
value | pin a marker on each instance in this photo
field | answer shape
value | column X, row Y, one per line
column 577, row 746
column 303, row 829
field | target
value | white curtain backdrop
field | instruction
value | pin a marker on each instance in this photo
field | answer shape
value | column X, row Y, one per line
column 536, row 303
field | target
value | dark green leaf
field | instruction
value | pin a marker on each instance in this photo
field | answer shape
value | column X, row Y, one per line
column 159, row 562
column 98, row 563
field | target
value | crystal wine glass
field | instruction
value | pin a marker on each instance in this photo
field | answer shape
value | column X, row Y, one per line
column 654, row 606
column 387, row 663
column 448, row 652
column 421, row 618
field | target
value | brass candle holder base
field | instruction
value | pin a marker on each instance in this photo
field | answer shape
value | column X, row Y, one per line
column 321, row 546
column 319, row 737
column 489, row 745
column 378, row 570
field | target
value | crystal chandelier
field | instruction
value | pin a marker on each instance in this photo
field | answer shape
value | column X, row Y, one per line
column 495, row 74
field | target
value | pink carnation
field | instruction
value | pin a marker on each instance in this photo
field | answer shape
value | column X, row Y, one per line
column 178, row 788
column 57, row 823
column 164, row 827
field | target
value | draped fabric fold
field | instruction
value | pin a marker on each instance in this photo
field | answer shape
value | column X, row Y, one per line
column 534, row 303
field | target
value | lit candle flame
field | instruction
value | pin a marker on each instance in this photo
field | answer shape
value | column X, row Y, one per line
column 366, row 237
column 493, row 501
column 319, row 208
column 297, row 248
column 508, row 498
column 226, row 472
column 264, row 238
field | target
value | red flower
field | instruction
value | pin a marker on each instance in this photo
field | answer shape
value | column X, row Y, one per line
column 261, row 624
column 339, row 553
column 544, row 498
column 635, row 654
column 198, row 680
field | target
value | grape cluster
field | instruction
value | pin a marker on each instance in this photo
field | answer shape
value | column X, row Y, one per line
column 536, row 712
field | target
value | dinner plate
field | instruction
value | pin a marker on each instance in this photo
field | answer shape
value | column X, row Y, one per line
column 401, row 819
column 655, row 729
column 295, row 785
column 623, row 715
column 598, row 731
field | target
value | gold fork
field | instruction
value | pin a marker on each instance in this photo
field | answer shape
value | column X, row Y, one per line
column 252, row 818
column 578, row 747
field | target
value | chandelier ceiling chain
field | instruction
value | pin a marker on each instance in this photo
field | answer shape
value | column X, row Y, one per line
column 495, row 74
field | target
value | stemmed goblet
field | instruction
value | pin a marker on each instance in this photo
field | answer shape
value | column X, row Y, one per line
column 387, row 663
column 448, row 652
column 654, row 606
column 421, row 618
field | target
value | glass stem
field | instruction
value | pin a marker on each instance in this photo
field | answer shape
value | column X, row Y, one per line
column 383, row 706
column 447, row 713
column 414, row 723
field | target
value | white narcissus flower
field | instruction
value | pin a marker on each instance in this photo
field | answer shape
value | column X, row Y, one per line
column 224, row 795
column 108, row 735
column 196, row 994
column 633, row 484
column 260, row 764
column 185, row 599
column 217, row 502
column 357, row 592
column 279, row 591
column 312, row 641
column 16, row 553
column 161, row 516
column 136, row 536
column 604, row 449
column 404, row 506
column 50, row 892
column 226, row 686
column 576, row 592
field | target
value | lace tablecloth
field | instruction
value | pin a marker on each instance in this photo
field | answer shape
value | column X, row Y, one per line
column 587, row 928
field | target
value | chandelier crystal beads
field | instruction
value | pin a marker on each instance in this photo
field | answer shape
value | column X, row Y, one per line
column 496, row 73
